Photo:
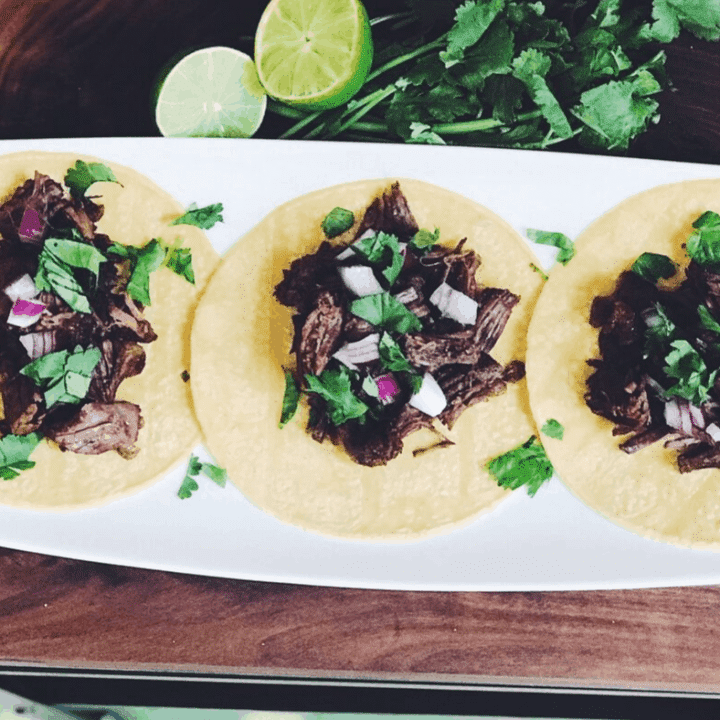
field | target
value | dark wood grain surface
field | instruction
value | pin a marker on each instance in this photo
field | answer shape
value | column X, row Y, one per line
column 87, row 68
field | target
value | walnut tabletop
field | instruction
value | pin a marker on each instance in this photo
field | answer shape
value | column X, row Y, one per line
column 85, row 68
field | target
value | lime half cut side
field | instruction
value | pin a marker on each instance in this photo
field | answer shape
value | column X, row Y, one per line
column 212, row 92
column 313, row 53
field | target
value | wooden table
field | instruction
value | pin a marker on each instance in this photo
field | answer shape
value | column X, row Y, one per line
column 81, row 68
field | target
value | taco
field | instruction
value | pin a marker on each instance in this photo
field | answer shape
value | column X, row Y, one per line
column 269, row 320
column 94, row 406
column 624, row 350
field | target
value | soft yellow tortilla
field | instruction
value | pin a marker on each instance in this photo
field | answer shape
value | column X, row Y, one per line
column 241, row 340
column 134, row 213
column 643, row 492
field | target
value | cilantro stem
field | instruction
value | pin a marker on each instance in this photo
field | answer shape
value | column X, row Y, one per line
column 468, row 126
column 408, row 56
column 300, row 124
column 368, row 104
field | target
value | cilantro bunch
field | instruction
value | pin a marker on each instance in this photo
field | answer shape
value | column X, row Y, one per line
column 514, row 73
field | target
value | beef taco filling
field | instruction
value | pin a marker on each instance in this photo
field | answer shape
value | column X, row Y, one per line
column 657, row 375
column 392, row 331
column 71, row 321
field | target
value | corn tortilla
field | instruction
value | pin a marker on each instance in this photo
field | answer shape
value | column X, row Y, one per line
column 643, row 492
column 240, row 343
column 134, row 214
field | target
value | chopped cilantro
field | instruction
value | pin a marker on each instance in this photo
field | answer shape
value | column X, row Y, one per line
column 179, row 260
column 685, row 365
column 64, row 376
column 189, row 484
column 552, row 428
column 384, row 311
column 204, row 217
column 527, row 464
column 391, row 356
column 539, row 271
column 335, row 387
column 659, row 332
column 79, row 178
column 423, row 239
column 383, row 251
column 703, row 246
column 337, row 221
column 653, row 266
column 707, row 320
column 15, row 451
column 55, row 270
column 555, row 239
column 290, row 399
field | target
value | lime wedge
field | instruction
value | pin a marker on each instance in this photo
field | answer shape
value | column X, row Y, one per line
column 313, row 53
column 212, row 92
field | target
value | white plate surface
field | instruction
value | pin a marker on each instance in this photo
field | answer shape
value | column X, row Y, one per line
column 550, row 542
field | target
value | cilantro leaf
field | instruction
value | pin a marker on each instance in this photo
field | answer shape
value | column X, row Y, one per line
column 384, row 311
column 555, row 239
column 55, row 270
column 179, row 260
column 64, row 376
column 335, row 387
column 653, row 266
column 530, row 67
column 290, row 399
column 423, row 239
column 393, row 358
column 204, row 217
column 527, row 464
column 79, row 178
column 552, row 428
column 694, row 379
column 421, row 133
column 15, row 451
column 700, row 18
column 703, row 246
column 382, row 250
column 337, row 221
column 661, row 329
column 189, row 484
column 707, row 320
column 472, row 19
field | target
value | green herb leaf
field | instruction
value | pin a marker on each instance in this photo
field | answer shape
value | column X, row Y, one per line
column 337, row 221
column 179, row 260
column 694, row 379
column 146, row 259
column 290, row 399
column 79, row 178
column 384, row 311
column 707, row 320
column 472, row 19
column 527, row 465
column 189, row 484
column 555, row 239
column 64, row 376
column 659, row 333
column 552, row 428
column 14, row 453
column 424, row 239
column 335, row 387
column 421, row 133
column 394, row 360
column 539, row 271
column 204, row 217
column 653, row 266
column 383, row 251
column 55, row 273
column 703, row 245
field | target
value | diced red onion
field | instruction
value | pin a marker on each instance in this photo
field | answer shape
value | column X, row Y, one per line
column 22, row 289
column 31, row 226
column 672, row 414
column 39, row 343
column 430, row 399
column 696, row 414
column 454, row 304
column 360, row 280
column 364, row 350
column 387, row 388
column 25, row 313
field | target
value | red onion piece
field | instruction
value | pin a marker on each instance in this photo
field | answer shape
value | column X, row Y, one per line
column 698, row 419
column 672, row 414
column 25, row 313
column 387, row 388
column 31, row 226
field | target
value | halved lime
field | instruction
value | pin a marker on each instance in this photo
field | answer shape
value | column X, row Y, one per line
column 314, row 53
column 212, row 92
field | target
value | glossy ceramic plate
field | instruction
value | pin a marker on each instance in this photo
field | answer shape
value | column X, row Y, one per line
column 549, row 542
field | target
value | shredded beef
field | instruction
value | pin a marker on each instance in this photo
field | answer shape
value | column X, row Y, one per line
column 457, row 355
